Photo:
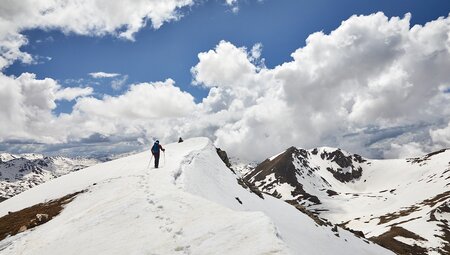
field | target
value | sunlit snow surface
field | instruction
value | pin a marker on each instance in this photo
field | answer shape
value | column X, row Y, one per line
column 188, row 206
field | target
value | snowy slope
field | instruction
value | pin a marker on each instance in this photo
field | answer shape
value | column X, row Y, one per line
column 21, row 172
column 188, row 206
column 404, row 200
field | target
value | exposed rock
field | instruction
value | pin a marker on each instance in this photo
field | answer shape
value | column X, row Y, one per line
column 250, row 186
column 22, row 229
column 331, row 193
column 347, row 162
column 284, row 171
column 354, row 174
column 388, row 241
column 425, row 158
column 223, row 155
column 41, row 217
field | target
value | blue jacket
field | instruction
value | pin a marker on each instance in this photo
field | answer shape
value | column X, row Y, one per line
column 156, row 147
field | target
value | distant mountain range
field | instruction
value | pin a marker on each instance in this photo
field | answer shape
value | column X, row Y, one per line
column 401, row 204
column 22, row 172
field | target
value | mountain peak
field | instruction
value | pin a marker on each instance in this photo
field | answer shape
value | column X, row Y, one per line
column 390, row 201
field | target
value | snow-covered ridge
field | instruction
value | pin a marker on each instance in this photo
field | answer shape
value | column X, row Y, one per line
column 372, row 196
column 192, row 204
column 21, row 172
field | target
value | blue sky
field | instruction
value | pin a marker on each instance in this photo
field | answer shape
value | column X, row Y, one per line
column 170, row 52
column 372, row 84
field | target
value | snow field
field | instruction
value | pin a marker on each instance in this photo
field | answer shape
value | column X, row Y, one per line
column 188, row 206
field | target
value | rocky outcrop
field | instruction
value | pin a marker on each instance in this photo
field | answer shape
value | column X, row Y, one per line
column 224, row 157
column 348, row 169
column 285, row 172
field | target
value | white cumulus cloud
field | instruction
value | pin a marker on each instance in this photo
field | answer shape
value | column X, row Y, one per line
column 98, row 75
column 441, row 136
column 372, row 72
column 26, row 104
column 71, row 93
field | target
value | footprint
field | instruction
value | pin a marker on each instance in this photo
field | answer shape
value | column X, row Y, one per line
column 179, row 232
column 184, row 249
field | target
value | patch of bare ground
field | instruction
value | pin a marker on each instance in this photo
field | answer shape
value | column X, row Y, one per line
column 424, row 158
column 250, row 186
column 355, row 232
column 405, row 221
column 446, row 238
column 388, row 241
column 332, row 193
column 431, row 202
column 395, row 215
column 437, row 199
column 28, row 218
column 444, row 225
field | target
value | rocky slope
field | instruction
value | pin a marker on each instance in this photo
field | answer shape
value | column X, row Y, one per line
column 402, row 204
column 22, row 172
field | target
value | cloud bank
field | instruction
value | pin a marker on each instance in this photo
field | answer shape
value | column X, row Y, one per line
column 374, row 86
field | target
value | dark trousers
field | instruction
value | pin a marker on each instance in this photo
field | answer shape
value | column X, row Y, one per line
column 156, row 155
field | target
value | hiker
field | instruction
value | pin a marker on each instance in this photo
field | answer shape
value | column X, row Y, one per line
column 180, row 140
column 155, row 151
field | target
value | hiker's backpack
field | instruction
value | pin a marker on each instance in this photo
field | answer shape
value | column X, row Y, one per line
column 155, row 148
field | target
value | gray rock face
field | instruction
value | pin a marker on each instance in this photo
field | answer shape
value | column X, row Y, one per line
column 223, row 155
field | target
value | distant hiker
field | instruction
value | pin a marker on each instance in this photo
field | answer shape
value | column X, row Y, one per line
column 180, row 140
column 155, row 151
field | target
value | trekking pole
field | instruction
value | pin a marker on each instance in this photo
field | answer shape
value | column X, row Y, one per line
column 149, row 162
column 164, row 158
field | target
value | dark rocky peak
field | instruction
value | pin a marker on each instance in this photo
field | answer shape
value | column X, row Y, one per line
column 348, row 165
column 224, row 157
column 284, row 171
column 43, row 162
column 341, row 158
column 281, row 165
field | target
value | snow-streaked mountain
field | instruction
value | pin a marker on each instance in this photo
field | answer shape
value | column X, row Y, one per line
column 192, row 204
column 403, row 204
column 21, row 172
